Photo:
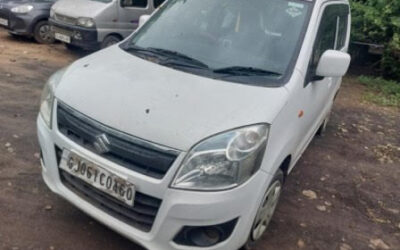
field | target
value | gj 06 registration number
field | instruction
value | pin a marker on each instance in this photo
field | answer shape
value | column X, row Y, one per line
column 98, row 177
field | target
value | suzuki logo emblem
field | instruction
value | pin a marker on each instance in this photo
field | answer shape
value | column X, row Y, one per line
column 102, row 144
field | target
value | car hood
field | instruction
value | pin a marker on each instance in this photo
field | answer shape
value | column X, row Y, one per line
column 160, row 104
column 80, row 8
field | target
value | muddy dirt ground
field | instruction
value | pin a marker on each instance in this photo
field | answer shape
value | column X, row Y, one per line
column 354, row 171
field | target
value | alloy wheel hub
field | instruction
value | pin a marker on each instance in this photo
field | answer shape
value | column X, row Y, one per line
column 266, row 210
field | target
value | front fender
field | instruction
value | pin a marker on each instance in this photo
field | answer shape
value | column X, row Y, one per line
column 38, row 18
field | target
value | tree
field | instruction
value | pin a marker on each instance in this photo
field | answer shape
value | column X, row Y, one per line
column 378, row 21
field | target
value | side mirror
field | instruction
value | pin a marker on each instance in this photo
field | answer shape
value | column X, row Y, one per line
column 143, row 19
column 333, row 63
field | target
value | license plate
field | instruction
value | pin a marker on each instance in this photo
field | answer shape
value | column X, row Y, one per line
column 4, row 22
column 62, row 37
column 98, row 177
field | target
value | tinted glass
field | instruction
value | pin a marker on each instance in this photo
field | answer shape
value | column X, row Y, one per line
column 326, row 35
column 333, row 20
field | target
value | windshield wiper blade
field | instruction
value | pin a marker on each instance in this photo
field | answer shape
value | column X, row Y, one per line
column 245, row 71
column 176, row 63
column 175, row 55
column 169, row 58
column 135, row 48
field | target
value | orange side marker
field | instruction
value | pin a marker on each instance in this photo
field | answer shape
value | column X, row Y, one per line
column 301, row 113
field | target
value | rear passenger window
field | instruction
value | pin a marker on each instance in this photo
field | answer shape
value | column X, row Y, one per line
column 134, row 3
column 157, row 3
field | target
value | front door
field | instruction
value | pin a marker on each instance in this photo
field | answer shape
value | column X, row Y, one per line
column 318, row 92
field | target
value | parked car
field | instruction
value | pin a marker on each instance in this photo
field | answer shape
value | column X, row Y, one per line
column 182, row 135
column 97, row 23
column 27, row 18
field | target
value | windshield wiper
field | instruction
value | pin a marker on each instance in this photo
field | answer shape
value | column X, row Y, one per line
column 178, row 59
column 245, row 71
column 169, row 57
column 146, row 51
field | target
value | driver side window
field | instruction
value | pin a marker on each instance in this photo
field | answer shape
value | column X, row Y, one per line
column 134, row 3
column 332, row 33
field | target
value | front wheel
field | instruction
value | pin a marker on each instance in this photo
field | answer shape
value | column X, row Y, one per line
column 266, row 210
column 110, row 40
column 42, row 33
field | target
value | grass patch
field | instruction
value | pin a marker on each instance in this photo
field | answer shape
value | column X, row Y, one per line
column 380, row 91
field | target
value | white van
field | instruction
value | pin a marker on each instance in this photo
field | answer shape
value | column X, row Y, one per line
column 181, row 136
column 94, row 24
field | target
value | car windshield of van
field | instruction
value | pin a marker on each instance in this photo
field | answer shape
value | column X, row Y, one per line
column 235, row 40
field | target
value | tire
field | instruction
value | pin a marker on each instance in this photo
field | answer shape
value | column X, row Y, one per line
column 42, row 33
column 110, row 40
column 263, row 218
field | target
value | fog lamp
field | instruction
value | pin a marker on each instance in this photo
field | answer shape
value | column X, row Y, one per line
column 205, row 236
column 78, row 36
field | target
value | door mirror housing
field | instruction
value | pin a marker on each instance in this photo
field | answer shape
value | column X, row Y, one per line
column 333, row 63
column 143, row 19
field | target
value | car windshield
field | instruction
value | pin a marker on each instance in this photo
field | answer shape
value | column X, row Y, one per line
column 234, row 38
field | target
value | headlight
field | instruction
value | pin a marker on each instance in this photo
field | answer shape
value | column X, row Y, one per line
column 47, row 98
column 223, row 161
column 86, row 22
column 22, row 9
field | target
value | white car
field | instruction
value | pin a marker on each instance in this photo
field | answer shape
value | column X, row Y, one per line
column 182, row 135
column 97, row 24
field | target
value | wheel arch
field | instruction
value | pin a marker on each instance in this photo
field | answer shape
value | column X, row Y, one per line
column 114, row 34
column 37, row 20
column 285, row 166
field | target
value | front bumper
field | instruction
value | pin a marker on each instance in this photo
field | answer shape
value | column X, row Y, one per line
column 85, row 38
column 19, row 24
column 179, row 208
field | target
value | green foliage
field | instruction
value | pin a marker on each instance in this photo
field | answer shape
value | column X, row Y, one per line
column 380, row 91
column 378, row 21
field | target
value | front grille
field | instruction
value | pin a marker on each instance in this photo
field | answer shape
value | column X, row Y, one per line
column 140, row 216
column 56, row 29
column 65, row 19
column 4, row 13
column 128, row 151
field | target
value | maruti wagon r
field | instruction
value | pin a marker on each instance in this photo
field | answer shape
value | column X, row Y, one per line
column 181, row 136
